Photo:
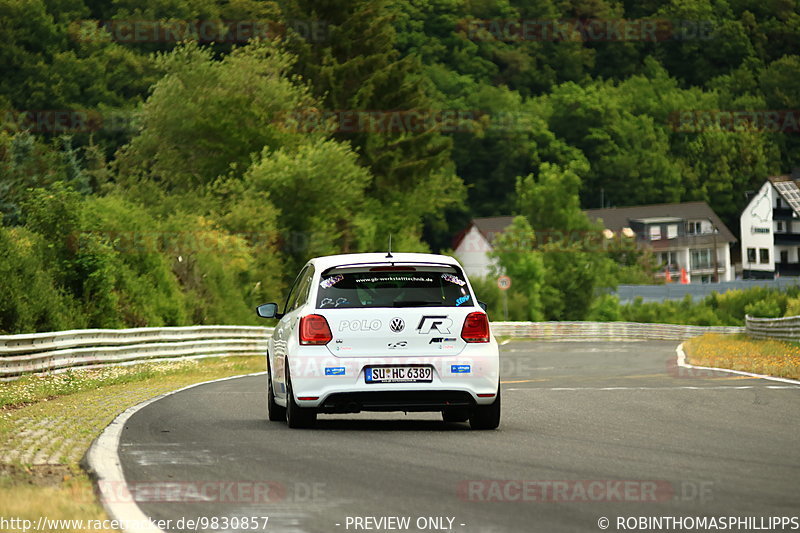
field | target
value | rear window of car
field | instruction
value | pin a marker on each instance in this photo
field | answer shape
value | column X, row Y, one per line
column 396, row 288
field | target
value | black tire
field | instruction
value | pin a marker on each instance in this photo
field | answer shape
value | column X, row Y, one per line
column 275, row 412
column 297, row 417
column 486, row 416
column 455, row 415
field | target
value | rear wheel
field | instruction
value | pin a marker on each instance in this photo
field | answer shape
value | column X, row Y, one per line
column 296, row 416
column 276, row 412
column 486, row 416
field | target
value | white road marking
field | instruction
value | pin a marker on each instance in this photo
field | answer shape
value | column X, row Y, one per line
column 685, row 387
column 103, row 459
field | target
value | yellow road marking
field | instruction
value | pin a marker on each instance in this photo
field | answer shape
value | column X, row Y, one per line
column 525, row 381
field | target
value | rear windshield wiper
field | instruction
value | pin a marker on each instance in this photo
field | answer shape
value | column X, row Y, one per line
column 416, row 303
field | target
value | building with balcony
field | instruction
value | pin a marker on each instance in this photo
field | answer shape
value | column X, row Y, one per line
column 770, row 230
column 684, row 236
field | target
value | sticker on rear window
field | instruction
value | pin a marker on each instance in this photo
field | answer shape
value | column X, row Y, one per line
column 377, row 279
column 462, row 299
column 454, row 279
column 331, row 281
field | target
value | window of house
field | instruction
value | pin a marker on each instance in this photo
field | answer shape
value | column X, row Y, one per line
column 655, row 233
column 763, row 255
column 669, row 259
column 751, row 255
column 672, row 231
column 700, row 258
column 778, row 202
column 779, row 228
column 694, row 228
column 784, row 256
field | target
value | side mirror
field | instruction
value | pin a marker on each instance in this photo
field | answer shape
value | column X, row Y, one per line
column 267, row 310
column 482, row 304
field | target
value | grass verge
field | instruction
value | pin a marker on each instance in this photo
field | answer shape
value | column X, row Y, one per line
column 48, row 422
column 739, row 352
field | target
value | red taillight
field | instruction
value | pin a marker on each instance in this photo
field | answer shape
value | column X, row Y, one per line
column 314, row 330
column 476, row 328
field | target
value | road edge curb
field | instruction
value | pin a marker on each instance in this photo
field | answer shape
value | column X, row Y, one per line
column 103, row 465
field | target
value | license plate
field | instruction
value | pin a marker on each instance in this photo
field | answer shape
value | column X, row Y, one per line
column 398, row 374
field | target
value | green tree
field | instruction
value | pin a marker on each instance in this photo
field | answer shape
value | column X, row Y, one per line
column 514, row 251
column 357, row 68
column 189, row 136
column 320, row 190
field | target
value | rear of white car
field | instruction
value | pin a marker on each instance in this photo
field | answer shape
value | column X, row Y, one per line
column 379, row 332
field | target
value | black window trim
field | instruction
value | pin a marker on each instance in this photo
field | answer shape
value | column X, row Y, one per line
column 295, row 284
column 459, row 271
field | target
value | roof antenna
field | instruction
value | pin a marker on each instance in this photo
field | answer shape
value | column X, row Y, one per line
column 389, row 253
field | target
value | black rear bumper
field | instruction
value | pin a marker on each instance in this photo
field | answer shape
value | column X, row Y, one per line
column 433, row 400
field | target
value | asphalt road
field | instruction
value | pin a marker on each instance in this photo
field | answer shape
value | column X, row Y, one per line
column 589, row 430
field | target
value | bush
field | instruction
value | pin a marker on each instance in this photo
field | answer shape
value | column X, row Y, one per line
column 605, row 308
column 32, row 300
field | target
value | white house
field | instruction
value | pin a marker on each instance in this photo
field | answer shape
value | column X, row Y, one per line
column 770, row 226
column 473, row 245
column 684, row 236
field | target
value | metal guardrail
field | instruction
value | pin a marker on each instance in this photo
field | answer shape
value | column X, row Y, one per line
column 46, row 352
column 589, row 331
column 786, row 329
column 90, row 348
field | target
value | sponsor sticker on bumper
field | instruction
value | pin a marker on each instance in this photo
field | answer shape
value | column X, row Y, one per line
column 460, row 369
column 334, row 371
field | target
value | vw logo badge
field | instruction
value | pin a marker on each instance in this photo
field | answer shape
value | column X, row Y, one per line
column 397, row 325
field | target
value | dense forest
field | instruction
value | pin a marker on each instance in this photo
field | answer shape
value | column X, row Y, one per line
column 174, row 162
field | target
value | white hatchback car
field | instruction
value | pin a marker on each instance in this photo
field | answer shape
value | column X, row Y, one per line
column 382, row 332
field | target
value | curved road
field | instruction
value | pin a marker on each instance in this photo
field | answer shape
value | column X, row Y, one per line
column 589, row 430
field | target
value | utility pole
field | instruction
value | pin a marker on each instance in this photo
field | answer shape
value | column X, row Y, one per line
column 716, row 259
